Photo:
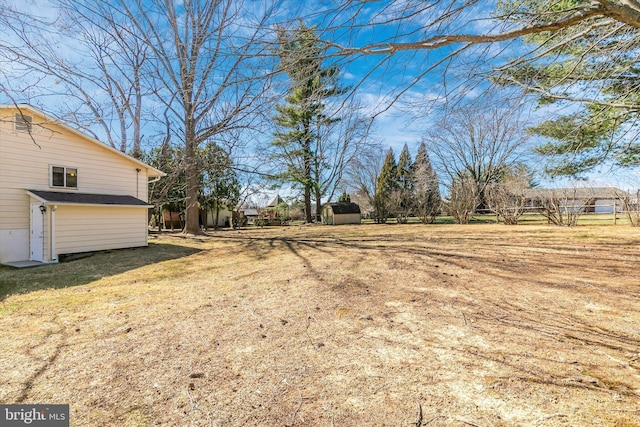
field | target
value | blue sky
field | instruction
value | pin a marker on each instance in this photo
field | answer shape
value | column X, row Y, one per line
column 396, row 122
column 402, row 122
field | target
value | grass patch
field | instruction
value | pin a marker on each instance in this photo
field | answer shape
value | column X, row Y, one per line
column 345, row 325
column 88, row 269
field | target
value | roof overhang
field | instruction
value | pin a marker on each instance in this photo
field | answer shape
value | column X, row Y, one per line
column 87, row 199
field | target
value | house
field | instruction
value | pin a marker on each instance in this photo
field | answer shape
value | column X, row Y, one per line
column 340, row 213
column 63, row 192
column 587, row 200
column 276, row 201
column 248, row 216
column 271, row 215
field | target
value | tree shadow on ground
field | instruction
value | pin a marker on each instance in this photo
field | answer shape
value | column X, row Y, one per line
column 87, row 269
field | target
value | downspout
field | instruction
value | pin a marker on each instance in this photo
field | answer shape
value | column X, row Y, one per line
column 138, row 183
column 52, row 228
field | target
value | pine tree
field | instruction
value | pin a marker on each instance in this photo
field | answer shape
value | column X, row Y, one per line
column 385, row 187
column 402, row 198
column 427, row 200
column 300, row 118
column 344, row 198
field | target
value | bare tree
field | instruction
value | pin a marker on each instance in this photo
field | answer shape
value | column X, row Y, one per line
column 405, row 26
column 562, row 207
column 582, row 54
column 631, row 207
column 204, row 70
column 478, row 141
column 462, row 199
column 338, row 145
column 197, row 63
column 100, row 83
column 507, row 198
column 361, row 177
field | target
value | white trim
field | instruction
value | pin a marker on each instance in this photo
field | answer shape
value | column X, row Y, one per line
column 35, row 196
column 102, row 205
column 65, row 186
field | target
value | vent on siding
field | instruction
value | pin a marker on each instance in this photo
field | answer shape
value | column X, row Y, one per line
column 23, row 122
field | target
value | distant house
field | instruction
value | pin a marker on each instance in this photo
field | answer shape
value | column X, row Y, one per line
column 340, row 213
column 587, row 200
column 270, row 215
column 275, row 202
column 63, row 192
column 248, row 216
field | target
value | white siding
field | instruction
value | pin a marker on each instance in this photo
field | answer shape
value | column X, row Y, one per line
column 606, row 206
column 92, row 228
column 25, row 161
column 223, row 216
column 14, row 245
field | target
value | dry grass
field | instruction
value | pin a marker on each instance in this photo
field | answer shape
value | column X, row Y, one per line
column 349, row 326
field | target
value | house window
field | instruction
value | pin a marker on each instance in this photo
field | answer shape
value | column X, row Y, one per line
column 23, row 123
column 64, row 177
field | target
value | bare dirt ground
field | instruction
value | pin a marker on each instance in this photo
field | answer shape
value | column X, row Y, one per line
column 336, row 326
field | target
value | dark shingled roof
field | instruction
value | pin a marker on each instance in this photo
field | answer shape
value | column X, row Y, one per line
column 87, row 198
column 344, row 208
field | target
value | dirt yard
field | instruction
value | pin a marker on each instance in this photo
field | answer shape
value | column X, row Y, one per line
column 370, row 325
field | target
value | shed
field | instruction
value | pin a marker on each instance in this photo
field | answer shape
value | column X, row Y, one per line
column 340, row 213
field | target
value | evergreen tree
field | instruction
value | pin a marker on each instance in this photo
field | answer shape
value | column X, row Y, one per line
column 299, row 119
column 590, row 69
column 344, row 198
column 385, row 187
column 219, row 184
column 167, row 194
column 402, row 198
column 427, row 199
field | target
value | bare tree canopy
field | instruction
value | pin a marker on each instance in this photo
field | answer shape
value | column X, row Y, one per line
column 445, row 18
column 583, row 53
column 196, row 65
column 477, row 142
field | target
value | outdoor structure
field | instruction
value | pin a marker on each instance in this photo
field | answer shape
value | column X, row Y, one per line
column 586, row 200
column 270, row 215
column 340, row 213
column 208, row 217
column 63, row 192
column 248, row 216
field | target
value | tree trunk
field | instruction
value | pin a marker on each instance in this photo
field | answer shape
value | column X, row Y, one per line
column 192, row 213
column 307, row 204
column 306, row 148
column 318, row 200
